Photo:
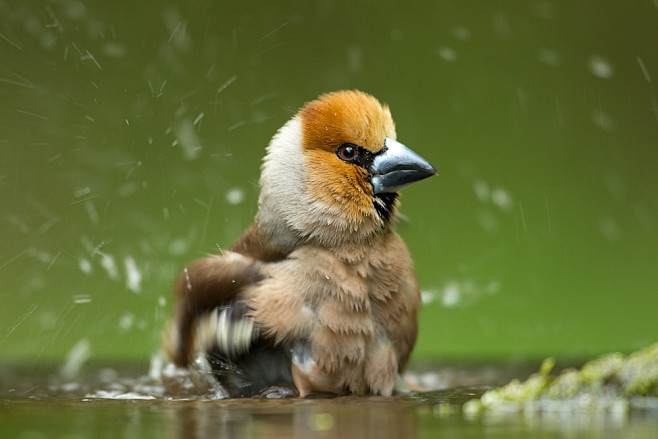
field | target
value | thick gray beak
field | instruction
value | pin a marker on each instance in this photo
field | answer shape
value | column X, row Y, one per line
column 396, row 167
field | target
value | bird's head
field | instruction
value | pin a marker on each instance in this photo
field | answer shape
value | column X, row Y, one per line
column 333, row 172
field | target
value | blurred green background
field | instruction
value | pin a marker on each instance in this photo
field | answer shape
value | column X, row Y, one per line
column 131, row 135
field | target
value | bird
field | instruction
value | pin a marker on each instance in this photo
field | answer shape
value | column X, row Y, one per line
column 319, row 293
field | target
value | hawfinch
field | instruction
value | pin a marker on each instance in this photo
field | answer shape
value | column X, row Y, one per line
column 319, row 293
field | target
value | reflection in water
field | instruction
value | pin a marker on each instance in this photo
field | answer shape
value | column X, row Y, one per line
column 339, row 417
column 108, row 403
column 345, row 417
column 581, row 424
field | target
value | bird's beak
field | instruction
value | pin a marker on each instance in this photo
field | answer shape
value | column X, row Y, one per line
column 396, row 167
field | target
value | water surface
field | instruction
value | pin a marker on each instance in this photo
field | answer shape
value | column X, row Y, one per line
column 104, row 402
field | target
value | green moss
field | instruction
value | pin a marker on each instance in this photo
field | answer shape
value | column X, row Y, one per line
column 638, row 375
column 603, row 368
column 610, row 383
column 567, row 385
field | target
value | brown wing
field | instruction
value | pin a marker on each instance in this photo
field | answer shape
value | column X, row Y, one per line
column 201, row 287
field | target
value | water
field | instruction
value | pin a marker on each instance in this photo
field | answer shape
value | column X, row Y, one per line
column 336, row 418
column 103, row 402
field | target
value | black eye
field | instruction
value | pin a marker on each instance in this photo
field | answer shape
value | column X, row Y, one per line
column 347, row 152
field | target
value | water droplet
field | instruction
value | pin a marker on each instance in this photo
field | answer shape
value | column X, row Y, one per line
column 133, row 275
column 600, row 67
column 461, row 33
column 501, row 198
column 235, row 195
column 448, row 54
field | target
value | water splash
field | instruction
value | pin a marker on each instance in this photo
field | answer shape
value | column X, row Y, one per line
column 235, row 195
column 133, row 275
column 600, row 67
column 110, row 266
column 189, row 140
column 75, row 359
column 448, row 54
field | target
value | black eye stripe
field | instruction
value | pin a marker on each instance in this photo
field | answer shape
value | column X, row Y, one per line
column 362, row 156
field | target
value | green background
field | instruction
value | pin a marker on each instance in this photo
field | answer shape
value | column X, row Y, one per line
column 131, row 135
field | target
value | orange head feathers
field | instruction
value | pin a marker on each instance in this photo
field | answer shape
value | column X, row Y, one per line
column 346, row 117
column 349, row 118
column 332, row 173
